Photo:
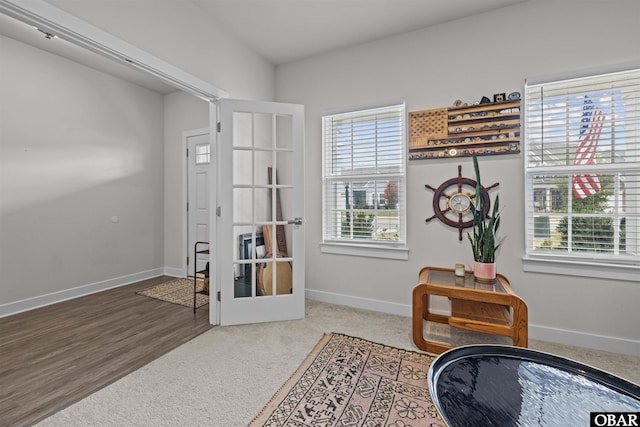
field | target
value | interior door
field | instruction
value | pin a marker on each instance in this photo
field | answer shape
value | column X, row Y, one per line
column 260, row 226
column 198, row 196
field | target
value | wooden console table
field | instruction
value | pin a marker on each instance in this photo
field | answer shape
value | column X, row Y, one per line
column 491, row 308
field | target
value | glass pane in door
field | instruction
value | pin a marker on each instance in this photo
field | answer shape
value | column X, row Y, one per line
column 263, row 130
column 243, row 175
column 242, row 129
column 261, row 141
column 284, row 130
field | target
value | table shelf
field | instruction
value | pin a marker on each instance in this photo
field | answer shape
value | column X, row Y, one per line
column 487, row 308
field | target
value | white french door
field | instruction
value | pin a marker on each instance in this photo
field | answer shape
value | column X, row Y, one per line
column 260, row 209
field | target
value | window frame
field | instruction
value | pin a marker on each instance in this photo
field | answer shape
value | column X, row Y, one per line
column 203, row 154
column 591, row 264
column 389, row 249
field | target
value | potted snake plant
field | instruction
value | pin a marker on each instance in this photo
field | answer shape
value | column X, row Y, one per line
column 484, row 242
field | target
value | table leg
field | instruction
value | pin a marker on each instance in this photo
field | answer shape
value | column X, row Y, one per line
column 420, row 315
column 520, row 323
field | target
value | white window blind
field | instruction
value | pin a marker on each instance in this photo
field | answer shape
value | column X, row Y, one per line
column 582, row 168
column 364, row 177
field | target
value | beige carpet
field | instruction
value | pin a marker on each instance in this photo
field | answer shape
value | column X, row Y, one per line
column 179, row 291
column 224, row 377
column 348, row 381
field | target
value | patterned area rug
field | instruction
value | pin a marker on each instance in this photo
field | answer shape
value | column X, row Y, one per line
column 348, row 381
column 178, row 291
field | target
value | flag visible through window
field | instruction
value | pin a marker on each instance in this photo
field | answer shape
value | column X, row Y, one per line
column 582, row 168
column 585, row 185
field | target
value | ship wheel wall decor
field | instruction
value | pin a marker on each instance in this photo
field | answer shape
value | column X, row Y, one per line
column 454, row 199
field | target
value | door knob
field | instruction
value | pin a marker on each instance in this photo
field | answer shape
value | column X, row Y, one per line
column 296, row 221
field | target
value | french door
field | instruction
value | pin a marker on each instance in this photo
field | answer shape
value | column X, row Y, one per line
column 259, row 237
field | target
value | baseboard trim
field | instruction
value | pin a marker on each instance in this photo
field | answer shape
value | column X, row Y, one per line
column 581, row 339
column 67, row 294
column 537, row 332
column 359, row 302
column 174, row 272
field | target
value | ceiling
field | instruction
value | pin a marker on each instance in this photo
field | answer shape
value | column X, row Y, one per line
column 280, row 31
column 288, row 30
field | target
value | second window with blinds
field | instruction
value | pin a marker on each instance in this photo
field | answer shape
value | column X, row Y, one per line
column 582, row 171
column 364, row 175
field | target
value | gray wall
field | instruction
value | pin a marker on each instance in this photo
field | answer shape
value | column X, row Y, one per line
column 182, row 112
column 200, row 47
column 77, row 149
column 198, row 44
column 80, row 147
column 466, row 59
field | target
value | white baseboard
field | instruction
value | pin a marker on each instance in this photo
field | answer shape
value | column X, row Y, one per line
column 174, row 272
column 359, row 302
column 542, row 333
column 581, row 339
column 67, row 294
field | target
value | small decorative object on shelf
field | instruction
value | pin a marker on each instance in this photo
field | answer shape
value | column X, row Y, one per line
column 484, row 128
column 459, row 271
column 484, row 243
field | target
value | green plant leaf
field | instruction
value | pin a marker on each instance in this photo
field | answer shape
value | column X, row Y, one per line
column 485, row 228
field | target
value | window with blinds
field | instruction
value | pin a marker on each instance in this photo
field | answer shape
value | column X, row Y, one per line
column 582, row 168
column 364, row 177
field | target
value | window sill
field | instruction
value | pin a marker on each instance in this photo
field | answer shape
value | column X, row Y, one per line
column 400, row 253
column 581, row 268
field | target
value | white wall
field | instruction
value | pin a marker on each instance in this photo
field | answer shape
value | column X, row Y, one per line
column 207, row 51
column 116, row 151
column 181, row 112
column 182, row 34
column 77, row 148
column 466, row 59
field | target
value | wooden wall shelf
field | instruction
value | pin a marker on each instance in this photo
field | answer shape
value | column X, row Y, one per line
column 483, row 129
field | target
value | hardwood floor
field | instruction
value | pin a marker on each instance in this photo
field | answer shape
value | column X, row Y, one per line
column 54, row 356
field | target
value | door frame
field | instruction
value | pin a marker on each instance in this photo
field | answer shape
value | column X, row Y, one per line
column 214, row 179
column 186, row 249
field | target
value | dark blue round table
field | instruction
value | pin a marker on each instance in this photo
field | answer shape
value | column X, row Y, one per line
column 493, row 385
